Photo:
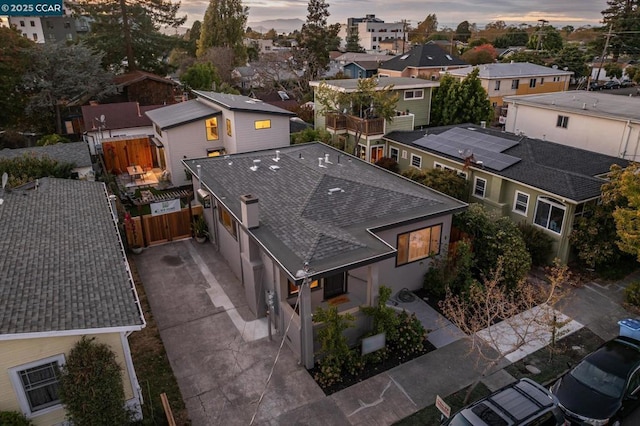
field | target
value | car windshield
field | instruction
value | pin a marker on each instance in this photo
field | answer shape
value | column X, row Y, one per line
column 459, row 420
column 599, row 380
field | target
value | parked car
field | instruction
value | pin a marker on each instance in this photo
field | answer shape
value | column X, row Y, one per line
column 524, row 402
column 627, row 83
column 611, row 85
column 604, row 387
column 594, row 85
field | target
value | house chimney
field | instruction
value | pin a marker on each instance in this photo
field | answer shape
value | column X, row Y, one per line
column 250, row 211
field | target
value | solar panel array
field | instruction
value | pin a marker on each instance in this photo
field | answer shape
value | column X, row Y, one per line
column 460, row 142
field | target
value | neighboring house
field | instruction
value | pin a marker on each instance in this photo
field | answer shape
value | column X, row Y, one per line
column 261, row 45
column 145, row 88
column 215, row 124
column 595, row 121
column 64, row 275
column 529, row 180
column 102, row 122
column 75, row 153
column 345, row 228
column 371, row 31
column 516, row 78
column 52, row 29
column 361, row 69
column 394, row 46
column 423, row 61
column 245, row 77
column 413, row 110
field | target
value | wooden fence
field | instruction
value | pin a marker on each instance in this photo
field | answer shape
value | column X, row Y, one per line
column 118, row 155
column 150, row 230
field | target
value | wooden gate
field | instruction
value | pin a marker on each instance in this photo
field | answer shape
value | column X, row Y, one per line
column 153, row 230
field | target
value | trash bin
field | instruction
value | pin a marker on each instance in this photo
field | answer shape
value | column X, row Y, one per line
column 630, row 328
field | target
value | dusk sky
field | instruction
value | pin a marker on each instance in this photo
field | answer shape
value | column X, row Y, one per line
column 449, row 13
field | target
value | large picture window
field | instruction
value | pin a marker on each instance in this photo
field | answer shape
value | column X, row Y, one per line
column 419, row 244
column 225, row 218
column 212, row 129
column 37, row 384
column 549, row 214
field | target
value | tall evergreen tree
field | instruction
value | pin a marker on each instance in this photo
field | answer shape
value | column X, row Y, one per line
column 316, row 40
column 14, row 59
column 224, row 26
column 623, row 18
column 127, row 31
column 456, row 102
column 353, row 41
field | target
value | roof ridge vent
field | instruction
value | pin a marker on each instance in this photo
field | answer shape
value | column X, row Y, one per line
column 256, row 165
column 334, row 190
column 274, row 168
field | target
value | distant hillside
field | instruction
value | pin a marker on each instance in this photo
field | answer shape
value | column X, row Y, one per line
column 280, row 25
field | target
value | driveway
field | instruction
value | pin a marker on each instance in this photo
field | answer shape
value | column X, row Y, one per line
column 220, row 355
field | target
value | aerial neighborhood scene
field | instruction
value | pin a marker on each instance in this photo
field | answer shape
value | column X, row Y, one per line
column 319, row 212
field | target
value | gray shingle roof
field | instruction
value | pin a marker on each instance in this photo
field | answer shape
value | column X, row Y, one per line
column 510, row 70
column 242, row 103
column 562, row 170
column 597, row 104
column 182, row 113
column 302, row 219
column 423, row 56
column 76, row 153
column 62, row 267
column 351, row 84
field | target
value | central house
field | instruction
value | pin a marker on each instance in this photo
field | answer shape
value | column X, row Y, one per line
column 309, row 226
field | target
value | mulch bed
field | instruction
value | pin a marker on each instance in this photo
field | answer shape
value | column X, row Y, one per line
column 370, row 370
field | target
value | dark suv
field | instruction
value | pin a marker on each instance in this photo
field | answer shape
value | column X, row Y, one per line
column 524, row 402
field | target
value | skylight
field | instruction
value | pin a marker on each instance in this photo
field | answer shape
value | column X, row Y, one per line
column 449, row 57
column 403, row 57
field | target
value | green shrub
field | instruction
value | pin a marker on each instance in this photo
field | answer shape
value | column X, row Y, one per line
column 632, row 294
column 385, row 318
column 454, row 273
column 389, row 164
column 13, row 418
column 412, row 335
column 538, row 243
column 91, row 385
column 336, row 357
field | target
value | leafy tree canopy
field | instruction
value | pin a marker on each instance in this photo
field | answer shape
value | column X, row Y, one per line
column 483, row 54
column 456, row 102
column 127, row 31
column 546, row 38
column 365, row 102
column 223, row 26
column 623, row 18
column 463, row 31
column 623, row 190
column 424, row 30
column 571, row 58
column 201, row 76
column 14, row 60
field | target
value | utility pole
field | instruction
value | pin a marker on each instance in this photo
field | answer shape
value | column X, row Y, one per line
column 604, row 51
column 541, row 33
column 404, row 34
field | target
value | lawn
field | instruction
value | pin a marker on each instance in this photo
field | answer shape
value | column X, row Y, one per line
column 153, row 369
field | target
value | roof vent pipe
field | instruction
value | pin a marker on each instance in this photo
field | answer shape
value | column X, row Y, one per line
column 584, row 105
column 326, row 159
column 277, row 156
column 483, row 124
column 256, row 164
column 320, row 162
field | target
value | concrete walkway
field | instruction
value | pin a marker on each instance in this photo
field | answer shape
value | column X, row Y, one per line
column 222, row 359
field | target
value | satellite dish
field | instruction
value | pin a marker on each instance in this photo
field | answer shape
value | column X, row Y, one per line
column 467, row 153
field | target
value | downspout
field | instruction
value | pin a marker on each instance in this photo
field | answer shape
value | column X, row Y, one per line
column 627, row 128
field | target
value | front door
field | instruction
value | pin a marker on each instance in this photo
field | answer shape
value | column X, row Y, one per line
column 377, row 152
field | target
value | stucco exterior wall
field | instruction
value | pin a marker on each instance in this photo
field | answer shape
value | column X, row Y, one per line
column 608, row 136
column 20, row 352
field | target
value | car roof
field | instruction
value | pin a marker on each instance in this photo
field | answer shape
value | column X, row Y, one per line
column 618, row 356
column 517, row 403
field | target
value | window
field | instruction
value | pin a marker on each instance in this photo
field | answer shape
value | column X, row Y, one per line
column 333, row 286
column 69, row 36
column 262, row 124
column 479, row 187
column 541, row 81
column 515, row 84
column 228, row 127
column 217, row 152
column 22, row 23
column 35, row 37
column 33, row 24
column 549, row 214
column 532, row 83
column 36, row 384
column 294, row 289
column 521, row 202
column 394, row 153
column 377, row 152
column 212, row 129
column 563, row 121
column 49, row 25
column 419, row 244
column 414, row 94
column 227, row 221
column 497, row 87
column 67, row 25
column 416, row 161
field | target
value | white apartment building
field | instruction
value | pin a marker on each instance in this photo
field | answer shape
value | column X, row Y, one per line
column 371, row 31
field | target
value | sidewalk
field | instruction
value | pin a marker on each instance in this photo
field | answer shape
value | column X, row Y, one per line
column 222, row 359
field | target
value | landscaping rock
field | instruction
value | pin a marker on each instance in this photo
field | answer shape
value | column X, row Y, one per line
column 532, row 369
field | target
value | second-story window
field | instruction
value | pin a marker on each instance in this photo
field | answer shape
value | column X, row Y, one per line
column 262, row 124
column 515, row 84
column 212, row 128
column 497, row 87
column 414, row 94
column 563, row 121
column 532, row 83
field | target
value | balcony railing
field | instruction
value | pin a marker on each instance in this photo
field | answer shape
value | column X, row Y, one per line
column 364, row 127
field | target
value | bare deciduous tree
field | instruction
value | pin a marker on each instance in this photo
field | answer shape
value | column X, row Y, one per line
column 499, row 321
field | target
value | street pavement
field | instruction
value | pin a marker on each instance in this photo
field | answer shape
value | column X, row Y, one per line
column 226, row 365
